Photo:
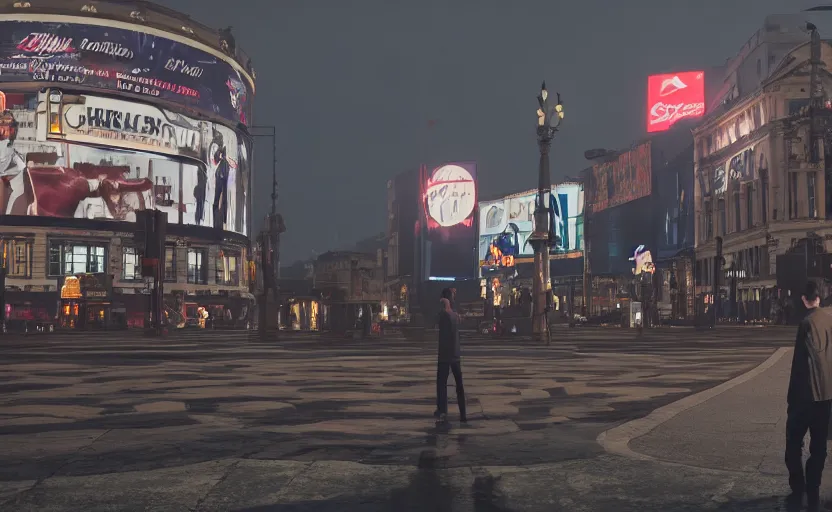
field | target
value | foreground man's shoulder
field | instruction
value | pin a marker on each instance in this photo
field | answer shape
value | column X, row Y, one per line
column 820, row 317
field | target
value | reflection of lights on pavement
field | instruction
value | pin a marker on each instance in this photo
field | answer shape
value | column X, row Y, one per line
column 450, row 195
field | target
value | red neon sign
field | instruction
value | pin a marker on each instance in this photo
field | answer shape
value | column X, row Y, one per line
column 672, row 97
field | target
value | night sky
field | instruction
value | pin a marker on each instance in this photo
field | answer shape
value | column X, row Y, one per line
column 352, row 86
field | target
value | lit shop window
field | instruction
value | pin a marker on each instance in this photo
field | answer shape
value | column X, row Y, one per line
column 197, row 269
column 170, row 264
column 69, row 258
column 131, row 264
column 228, row 268
column 17, row 256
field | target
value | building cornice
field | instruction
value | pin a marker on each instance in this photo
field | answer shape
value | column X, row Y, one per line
column 739, row 105
column 737, row 146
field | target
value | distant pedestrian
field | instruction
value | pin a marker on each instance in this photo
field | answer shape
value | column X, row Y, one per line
column 809, row 400
column 448, row 361
column 450, row 294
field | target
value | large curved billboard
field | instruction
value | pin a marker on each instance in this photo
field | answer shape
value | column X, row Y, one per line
column 124, row 61
column 100, row 159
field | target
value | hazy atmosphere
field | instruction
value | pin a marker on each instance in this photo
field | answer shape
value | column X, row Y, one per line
column 352, row 86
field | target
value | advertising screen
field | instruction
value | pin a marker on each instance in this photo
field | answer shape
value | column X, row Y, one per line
column 616, row 234
column 116, row 59
column 449, row 198
column 674, row 198
column 624, row 179
column 515, row 215
column 127, row 124
column 52, row 178
column 672, row 97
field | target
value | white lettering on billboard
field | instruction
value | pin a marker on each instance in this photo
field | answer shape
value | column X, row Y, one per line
column 132, row 125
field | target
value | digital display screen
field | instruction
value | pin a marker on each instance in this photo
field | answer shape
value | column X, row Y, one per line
column 50, row 175
column 127, row 61
column 449, row 196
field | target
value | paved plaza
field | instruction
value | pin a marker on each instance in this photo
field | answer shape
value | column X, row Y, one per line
column 224, row 421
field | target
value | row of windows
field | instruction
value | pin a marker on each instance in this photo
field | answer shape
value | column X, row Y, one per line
column 752, row 262
column 721, row 211
column 69, row 258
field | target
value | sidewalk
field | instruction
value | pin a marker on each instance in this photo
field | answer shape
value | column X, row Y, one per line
column 742, row 429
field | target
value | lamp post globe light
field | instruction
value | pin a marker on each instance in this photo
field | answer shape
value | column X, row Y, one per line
column 549, row 118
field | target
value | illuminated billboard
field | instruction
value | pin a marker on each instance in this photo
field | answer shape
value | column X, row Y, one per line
column 509, row 222
column 449, row 201
column 97, row 55
column 124, row 124
column 41, row 175
column 624, row 179
column 672, row 97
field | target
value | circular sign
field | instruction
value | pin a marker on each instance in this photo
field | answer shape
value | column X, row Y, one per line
column 451, row 195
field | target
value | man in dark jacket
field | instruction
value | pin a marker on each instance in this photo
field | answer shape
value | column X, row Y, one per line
column 449, row 360
column 809, row 400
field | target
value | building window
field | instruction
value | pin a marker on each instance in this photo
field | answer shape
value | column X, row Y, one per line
column 18, row 257
column 170, row 264
column 197, row 269
column 811, row 186
column 793, row 195
column 131, row 264
column 709, row 221
column 749, row 206
column 70, row 258
column 723, row 221
column 228, row 268
column 737, row 213
column 764, row 197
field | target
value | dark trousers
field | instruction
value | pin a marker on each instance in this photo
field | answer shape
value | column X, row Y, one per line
column 442, row 387
column 814, row 418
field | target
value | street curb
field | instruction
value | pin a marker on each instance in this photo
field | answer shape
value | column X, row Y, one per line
column 617, row 440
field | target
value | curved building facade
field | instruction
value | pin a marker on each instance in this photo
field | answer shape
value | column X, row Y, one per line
column 108, row 109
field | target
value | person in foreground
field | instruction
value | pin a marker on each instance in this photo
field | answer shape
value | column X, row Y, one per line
column 449, row 360
column 809, row 400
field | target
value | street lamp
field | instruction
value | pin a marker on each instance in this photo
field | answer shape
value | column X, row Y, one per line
column 549, row 118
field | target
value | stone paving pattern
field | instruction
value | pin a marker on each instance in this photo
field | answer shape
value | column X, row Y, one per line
column 218, row 422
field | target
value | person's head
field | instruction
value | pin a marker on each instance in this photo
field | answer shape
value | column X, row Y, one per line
column 811, row 295
column 445, row 304
column 447, row 293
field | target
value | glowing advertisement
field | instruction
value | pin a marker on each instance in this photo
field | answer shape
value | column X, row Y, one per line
column 625, row 179
column 125, row 61
column 506, row 224
column 48, row 178
column 449, row 196
column 672, row 97
column 130, row 125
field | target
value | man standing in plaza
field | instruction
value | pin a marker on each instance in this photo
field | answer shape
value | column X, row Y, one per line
column 448, row 361
column 809, row 400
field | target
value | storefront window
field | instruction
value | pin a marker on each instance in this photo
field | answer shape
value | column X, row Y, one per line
column 197, row 270
column 70, row 258
column 131, row 265
column 228, row 269
column 19, row 257
column 170, row 264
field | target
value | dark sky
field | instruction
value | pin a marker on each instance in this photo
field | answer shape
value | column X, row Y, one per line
column 351, row 86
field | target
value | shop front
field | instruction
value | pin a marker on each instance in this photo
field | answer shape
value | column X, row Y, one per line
column 30, row 311
column 85, row 302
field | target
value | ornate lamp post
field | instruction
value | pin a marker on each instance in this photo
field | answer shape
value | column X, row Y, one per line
column 549, row 118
